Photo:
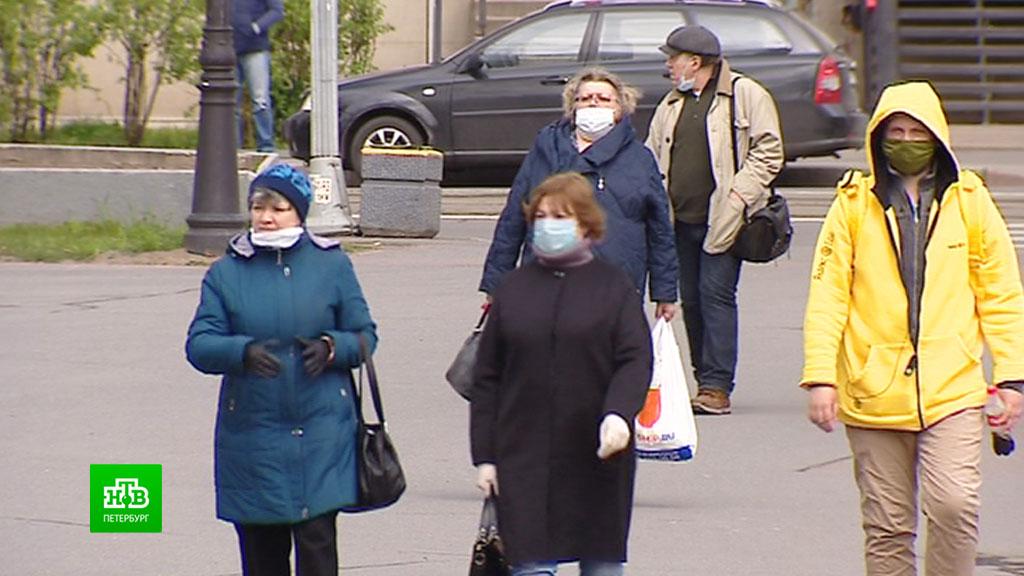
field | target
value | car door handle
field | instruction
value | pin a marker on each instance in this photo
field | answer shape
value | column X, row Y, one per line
column 555, row 80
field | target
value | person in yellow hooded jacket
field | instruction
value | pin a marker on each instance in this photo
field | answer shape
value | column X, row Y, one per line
column 914, row 272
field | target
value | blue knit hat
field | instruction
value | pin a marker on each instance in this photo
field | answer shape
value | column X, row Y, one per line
column 288, row 182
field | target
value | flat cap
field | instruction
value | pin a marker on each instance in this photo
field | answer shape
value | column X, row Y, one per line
column 692, row 39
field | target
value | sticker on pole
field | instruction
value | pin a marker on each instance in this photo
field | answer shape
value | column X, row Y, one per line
column 323, row 189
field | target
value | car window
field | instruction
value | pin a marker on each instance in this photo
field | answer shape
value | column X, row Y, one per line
column 636, row 35
column 545, row 40
column 740, row 31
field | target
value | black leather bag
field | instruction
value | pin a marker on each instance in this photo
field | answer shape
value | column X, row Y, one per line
column 460, row 373
column 488, row 550
column 764, row 235
column 379, row 472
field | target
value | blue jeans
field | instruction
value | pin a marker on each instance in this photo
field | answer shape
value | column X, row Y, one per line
column 707, row 285
column 253, row 70
column 587, row 568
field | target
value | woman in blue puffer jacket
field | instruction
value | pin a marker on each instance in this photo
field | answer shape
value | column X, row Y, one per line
column 281, row 317
column 596, row 139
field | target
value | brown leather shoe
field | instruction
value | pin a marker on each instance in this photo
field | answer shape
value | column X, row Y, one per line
column 711, row 401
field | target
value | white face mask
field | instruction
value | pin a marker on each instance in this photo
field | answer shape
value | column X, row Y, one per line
column 283, row 238
column 685, row 84
column 593, row 123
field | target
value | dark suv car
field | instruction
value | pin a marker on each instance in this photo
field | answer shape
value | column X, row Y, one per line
column 483, row 105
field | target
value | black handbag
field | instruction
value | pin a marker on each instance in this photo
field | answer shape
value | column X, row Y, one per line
column 764, row 235
column 488, row 550
column 460, row 373
column 379, row 473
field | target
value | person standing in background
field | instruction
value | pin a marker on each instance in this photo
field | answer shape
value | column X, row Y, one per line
column 251, row 21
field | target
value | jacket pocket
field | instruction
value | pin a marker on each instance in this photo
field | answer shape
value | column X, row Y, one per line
column 724, row 221
column 949, row 369
column 886, row 363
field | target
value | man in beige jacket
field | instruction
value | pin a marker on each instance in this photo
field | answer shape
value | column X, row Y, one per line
column 694, row 143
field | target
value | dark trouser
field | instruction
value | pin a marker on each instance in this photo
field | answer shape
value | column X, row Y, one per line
column 707, row 285
column 265, row 547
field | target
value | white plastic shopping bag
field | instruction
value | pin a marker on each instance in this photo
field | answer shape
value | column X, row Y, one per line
column 665, row 428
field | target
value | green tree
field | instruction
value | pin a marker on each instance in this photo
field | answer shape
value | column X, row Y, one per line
column 40, row 43
column 360, row 23
column 159, row 37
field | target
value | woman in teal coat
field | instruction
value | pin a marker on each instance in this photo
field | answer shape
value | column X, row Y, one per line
column 280, row 317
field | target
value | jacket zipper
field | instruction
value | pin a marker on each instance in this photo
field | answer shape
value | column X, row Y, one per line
column 911, row 365
column 911, row 368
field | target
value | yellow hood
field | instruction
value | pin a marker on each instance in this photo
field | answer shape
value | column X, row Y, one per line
column 915, row 99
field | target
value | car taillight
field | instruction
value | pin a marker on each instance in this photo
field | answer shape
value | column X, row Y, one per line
column 828, row 86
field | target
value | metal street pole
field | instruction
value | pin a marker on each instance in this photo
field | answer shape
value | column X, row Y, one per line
column 215, row 213
column 881, row 48
column 434, row 16
column 329, row 214
column 481, row 18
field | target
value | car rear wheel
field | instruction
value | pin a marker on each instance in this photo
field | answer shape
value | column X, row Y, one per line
column 382, row 132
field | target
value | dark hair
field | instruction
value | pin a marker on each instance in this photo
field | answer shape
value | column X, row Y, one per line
column 573, row 192
column 706, row 60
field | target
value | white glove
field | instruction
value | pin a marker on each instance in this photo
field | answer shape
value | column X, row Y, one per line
column 614, row 435
column 487, row 479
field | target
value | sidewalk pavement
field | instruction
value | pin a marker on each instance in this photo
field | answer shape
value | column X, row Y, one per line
column 95, row 373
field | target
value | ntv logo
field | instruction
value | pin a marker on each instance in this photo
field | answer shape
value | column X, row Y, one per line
column 125, row 493
column 125, row 498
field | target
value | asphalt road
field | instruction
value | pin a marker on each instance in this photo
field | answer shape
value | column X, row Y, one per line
column 95, row 373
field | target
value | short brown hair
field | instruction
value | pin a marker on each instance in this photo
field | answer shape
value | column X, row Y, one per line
column 572, row 191
column 628, row 95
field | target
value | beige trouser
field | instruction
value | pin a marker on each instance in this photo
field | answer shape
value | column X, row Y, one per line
column 888, row 466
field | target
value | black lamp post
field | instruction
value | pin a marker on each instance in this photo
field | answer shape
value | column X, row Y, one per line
column 215, row 213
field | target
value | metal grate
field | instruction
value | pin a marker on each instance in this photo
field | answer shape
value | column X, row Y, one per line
column 971, row 50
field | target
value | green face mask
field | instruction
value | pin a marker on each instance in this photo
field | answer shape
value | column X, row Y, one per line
column 909, row 157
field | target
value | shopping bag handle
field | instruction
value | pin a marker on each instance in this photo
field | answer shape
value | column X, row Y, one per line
column 483, row 317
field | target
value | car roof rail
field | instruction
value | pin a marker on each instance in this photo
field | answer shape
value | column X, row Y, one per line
column 578, row 3
column 558, row 3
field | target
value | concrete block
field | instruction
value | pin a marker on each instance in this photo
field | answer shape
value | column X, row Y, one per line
column 406, row 165
column 401, row 194
column 400, row 209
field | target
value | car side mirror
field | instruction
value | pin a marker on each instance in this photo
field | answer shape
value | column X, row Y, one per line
column 474, row 66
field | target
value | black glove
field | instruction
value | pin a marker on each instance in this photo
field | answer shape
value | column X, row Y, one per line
column 260, row 361
column 315, row 355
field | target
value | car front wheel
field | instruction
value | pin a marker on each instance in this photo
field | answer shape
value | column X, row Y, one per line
column 382, row 132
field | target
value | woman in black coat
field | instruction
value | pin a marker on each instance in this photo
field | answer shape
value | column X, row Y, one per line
column 563, row 368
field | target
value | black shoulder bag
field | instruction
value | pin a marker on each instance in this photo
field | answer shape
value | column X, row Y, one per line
column 378, row 471
column 460, row 372
column 765, row 235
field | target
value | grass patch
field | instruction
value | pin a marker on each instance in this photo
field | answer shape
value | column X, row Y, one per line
column 86, row 240
column 111, row 134
column 92, row 133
